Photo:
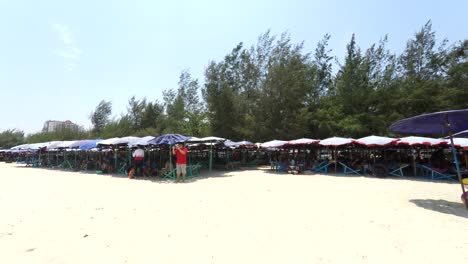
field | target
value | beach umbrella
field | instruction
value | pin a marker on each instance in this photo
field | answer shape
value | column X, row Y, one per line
column 207, row 140
column 144, row 141
column 462, row 134
column 303, row 141
column 376, row 141
column 168, row 139
column 245, row 143
column 229, row 143
column 460, row 142
column 109, row 141
column 417, row 141
column 273, row 144
column 20, row 147
column 66, row 144
column 336, row 141
column 439, row 123
column 127, row 141
column 89, row 144
column 447, row 122
column 53, row 145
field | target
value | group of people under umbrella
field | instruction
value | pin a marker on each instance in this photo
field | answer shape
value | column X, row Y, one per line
column 453, row 124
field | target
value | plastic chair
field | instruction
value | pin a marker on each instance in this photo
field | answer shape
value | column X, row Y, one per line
column 348, row 170
column 398, row 171
column 434, row 174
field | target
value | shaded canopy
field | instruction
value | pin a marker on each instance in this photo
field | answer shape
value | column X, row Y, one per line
column 414, row 141
column 373, row 141
column 336, row 141
column 168, row 139
column 303, row 141
column 462, row 134
column 273, row 144
column 437, row 123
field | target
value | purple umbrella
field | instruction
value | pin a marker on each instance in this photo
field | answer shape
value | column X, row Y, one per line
column 433, row 124
column 447, row 122
column 463, row 134
column 168, row 139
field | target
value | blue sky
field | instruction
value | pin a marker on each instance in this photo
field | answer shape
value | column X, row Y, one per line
column 59, row 59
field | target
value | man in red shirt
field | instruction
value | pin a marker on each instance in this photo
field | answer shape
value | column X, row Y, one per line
column 181, row 165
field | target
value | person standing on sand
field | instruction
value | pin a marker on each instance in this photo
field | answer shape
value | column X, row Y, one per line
column 138, row 156
column 181, row 164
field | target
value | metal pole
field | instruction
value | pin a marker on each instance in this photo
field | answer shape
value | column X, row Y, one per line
column 455, row 159
column 211, row 158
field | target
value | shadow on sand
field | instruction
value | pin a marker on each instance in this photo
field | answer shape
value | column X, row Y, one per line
column 442, row 206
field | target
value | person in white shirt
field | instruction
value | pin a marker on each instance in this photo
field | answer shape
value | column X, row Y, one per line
column 138, row 158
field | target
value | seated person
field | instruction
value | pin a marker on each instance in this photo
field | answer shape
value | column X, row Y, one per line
column 105, row 167
column 437, row 160
column 293, row 168
column 165, row 169
column 149, row 169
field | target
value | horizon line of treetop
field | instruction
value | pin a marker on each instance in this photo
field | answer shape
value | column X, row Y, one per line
column 276, row 90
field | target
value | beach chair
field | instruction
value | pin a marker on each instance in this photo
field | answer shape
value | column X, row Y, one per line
column 170, row 175
column 282, row 167
column 434, row 174
column 398, row 172
column 66, row 165
column 193, row 170
column 123, row 169
column 31, row 162
column 253, row 163
column 273, row 165
column 348, row 170
column 322, row 167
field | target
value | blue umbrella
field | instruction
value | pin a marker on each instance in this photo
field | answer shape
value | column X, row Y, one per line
column 447, row 122
column 463, row 134
column 229, row 143
column 89, row 144
column 433, row 124
column 245, row 143
column 168, row 139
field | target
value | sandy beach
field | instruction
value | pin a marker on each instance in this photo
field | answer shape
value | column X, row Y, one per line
column 249, row 216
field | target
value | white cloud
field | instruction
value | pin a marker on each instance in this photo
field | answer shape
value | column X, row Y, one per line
column 71, row 66
column 70, row 52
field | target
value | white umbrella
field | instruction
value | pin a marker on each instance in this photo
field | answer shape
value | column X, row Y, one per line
column 303, row 141
column 66, row 144
column 273, row 144
column 142, row 141
column 459, row 142
column 53, row 145
column 23, row 146
column 336, row 141
column 109, row 141
column 205, row 139
column 373, row 141
column 413, row 141
column 126, row 140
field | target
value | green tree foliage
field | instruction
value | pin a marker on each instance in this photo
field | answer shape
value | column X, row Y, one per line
column 101, row 115
column 275, row 89
column 185, row 112
column 11, row 137
column 120, row 127
column 456, row 92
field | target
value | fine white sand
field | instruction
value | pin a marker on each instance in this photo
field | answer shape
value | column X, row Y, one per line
column 254, row 216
